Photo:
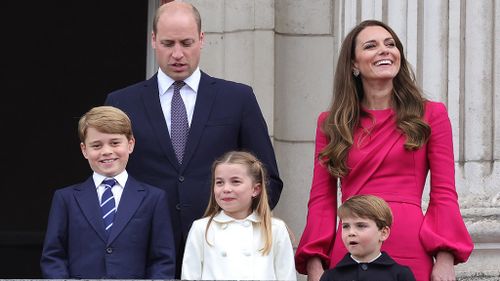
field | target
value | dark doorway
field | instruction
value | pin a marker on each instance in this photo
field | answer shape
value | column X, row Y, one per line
column 60, row 58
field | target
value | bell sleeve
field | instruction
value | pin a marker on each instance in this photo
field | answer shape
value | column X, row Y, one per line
column 319, row 232
column 443, row 228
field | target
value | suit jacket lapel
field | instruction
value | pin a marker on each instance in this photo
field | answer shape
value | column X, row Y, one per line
column 152, row 107
column 203, row 106
column 132, row 197
column 86, row 197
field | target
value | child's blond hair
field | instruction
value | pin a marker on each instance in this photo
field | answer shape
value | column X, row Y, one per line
column 260, row 203
column 105, row 119
column 367, row 207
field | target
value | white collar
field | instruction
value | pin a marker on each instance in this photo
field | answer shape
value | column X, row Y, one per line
column 221, row 217
column 379, row 254
column 165, row 82
column 121, row 178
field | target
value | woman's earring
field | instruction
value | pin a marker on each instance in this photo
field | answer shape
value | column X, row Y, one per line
column 355, row 72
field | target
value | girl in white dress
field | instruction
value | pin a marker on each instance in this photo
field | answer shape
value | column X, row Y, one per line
column 237, row 239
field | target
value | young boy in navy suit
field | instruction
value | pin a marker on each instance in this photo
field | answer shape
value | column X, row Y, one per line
column 111, row 226
column 366, row 222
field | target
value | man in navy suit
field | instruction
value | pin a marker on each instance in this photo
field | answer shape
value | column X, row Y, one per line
column 222, row 116
column 111, row 226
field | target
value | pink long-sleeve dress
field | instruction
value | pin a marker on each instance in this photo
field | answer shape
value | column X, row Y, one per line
column 380, row 165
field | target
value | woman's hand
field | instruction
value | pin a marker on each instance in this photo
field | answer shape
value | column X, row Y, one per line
column 443, row 269
column 314, row 269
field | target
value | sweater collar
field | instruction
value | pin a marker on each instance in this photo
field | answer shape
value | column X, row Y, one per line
column 383, row 259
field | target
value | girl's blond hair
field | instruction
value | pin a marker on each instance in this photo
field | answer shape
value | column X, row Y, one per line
column 260, row 203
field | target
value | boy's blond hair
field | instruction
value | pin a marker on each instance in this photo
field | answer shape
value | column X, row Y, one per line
column 367, row 207
column 105, row 119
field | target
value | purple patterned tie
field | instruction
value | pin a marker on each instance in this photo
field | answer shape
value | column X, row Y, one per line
column 179, row 122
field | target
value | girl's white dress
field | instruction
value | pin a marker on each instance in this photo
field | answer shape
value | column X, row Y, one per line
column 233, row 253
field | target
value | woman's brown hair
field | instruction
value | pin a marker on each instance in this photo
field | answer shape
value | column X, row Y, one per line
column 407, row 101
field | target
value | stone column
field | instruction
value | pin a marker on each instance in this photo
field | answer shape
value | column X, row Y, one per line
column 478, row 161
column 304, row 71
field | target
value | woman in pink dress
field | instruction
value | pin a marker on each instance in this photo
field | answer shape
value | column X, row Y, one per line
column 382, row 137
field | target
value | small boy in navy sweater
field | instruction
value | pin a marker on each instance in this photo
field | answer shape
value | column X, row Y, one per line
column 366, row 222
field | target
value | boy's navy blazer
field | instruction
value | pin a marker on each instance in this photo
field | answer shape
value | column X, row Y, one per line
column 140, row 244
column 226, row 117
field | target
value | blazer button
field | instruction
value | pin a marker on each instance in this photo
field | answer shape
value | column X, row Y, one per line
column 178, row 207
column 109, row 250
column 181, row 178
column 223, row 253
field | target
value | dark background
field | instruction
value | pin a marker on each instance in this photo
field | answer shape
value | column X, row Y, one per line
column 59, row 59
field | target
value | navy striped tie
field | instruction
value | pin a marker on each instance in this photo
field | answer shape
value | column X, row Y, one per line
column 108, row 206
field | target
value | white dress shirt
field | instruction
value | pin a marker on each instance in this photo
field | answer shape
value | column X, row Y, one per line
column 121, row 180
column 188, row 94
column 233, row 253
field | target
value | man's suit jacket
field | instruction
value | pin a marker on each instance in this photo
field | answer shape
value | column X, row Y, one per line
column 226, row 117
column 140, row 243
